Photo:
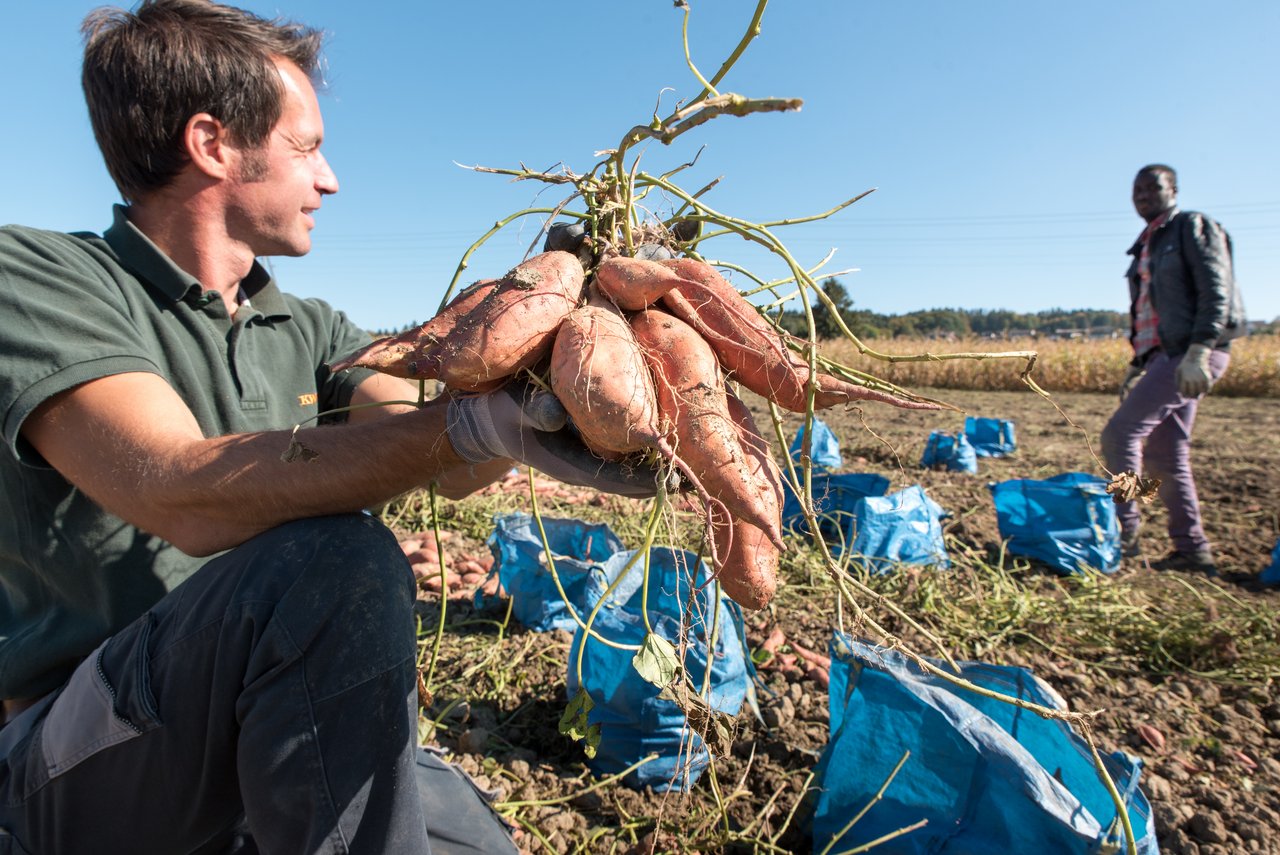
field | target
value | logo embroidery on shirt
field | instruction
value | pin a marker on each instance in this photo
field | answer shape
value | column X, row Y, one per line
column 308, row 400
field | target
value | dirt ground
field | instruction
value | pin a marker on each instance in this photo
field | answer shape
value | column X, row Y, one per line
column 1210, row 745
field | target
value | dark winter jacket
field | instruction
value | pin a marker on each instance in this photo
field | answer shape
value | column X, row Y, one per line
column 1193, row 287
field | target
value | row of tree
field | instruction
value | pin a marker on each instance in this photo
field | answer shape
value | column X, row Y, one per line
column 946, row 322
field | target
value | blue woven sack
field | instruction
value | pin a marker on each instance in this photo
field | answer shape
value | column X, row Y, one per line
column 990, row 437
column 519, row 563
column 634, row 721
column 900, row 528
column 987, row 776
column 950, row 451
column 825, row 450
column 1271, row 576
column 1067, row 521
column 835, row 500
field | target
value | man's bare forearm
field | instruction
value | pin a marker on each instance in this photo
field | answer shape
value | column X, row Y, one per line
column 231, row 488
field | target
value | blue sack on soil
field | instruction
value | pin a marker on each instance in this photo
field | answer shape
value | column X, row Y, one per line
column 990, row 437
column 900, row 528
column 634, row 721
column 576, row 547
column 1065, row 521
column 1271, row 576
column 987, row 776
column 950, row 451
column 825, row 450
column 835, row 499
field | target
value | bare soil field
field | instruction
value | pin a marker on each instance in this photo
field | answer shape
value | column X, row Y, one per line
column 1192, row 660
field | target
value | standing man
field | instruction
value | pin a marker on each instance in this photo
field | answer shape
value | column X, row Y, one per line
column 1184, row 311
column 199, row 639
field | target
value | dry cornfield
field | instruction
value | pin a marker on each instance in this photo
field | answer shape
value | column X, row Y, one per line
column 1074, row 365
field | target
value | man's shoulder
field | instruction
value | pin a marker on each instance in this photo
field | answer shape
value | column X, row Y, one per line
column 1194, row 219
column 18, row 240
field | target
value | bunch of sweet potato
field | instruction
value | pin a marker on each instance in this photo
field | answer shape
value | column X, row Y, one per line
column 639, row 356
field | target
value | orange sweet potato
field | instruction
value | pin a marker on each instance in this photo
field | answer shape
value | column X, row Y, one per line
column 400, row 354
column 746, row 560
column 700, row 434
column 750, row 350
column 599, row 374
column 634, row 283
column 756, row 447
column 513, row 326
column 494, row 334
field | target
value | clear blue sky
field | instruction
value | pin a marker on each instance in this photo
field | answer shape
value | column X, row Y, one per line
column 1002, row 136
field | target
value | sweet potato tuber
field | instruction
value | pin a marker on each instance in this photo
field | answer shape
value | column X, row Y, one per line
column 634, row 283
column 398, row 354
column 599, row 374
column 484, row 337
column 694, row 416
column 752, row 352
column 513, row 326
column 756, row 447
column 746, row 561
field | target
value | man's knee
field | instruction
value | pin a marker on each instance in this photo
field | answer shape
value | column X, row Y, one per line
column 1114, row 439
column 1166, row 463
column 338, row 588
column 326, row 564
column 352, row 554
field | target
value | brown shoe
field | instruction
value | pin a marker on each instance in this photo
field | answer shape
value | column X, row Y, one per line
column 1199, row 561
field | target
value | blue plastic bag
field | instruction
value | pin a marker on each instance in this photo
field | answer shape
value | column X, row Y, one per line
column 1065, row 521
column 634, row 721
column 825, row 450
column 990, row 437
column 950, row 451
column 987, row 776
column 900, row 528
column 576, row 548
column 1271, row 576
column 835, row 499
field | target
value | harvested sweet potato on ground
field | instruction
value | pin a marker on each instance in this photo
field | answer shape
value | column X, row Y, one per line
column 600, row 375
column 694, row 417
column 750, row 350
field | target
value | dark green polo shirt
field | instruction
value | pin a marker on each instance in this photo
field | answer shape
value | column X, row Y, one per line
column 77, row 307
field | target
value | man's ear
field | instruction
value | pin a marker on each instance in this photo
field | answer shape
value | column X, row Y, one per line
column 208, row 145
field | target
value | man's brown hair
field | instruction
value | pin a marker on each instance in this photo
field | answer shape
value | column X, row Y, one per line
column 148, row 71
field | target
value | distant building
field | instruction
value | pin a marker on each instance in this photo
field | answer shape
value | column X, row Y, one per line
column 1103, row 332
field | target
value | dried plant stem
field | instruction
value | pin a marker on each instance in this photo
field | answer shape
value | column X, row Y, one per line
column 555, row 576
column 600, row 784
column 874, row 799
column 659, row 505
column 1131, row 843
column 439, row 637
column 497, row 227
column 885, row 838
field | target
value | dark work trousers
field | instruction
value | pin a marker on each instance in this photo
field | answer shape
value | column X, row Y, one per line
column 268, row 704
column 1150, row 433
